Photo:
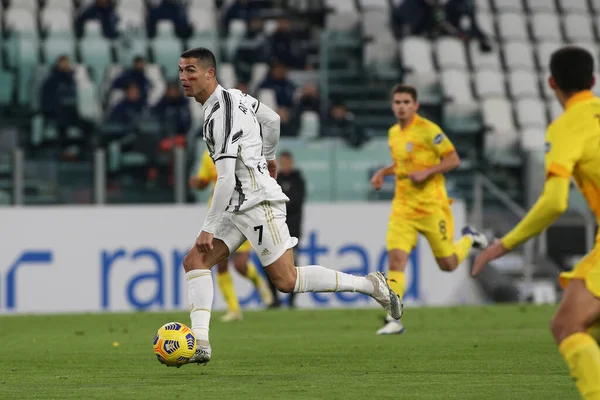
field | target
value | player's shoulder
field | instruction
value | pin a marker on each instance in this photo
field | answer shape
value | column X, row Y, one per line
column 427, row 125
column 394, row 129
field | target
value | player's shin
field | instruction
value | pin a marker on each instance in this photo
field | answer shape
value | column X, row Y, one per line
column 462, row 247
column 397, row 282
column 582, row 354
column 315, row 278
column 201, row 293
column 227, row 290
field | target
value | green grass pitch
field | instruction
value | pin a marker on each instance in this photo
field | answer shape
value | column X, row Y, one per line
column 491, row 352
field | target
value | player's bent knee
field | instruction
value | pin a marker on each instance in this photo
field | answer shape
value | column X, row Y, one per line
column 447, row 264
column 285, row 284
column 562, row 326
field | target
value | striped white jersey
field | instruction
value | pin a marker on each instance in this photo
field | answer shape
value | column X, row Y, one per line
column 231, row 130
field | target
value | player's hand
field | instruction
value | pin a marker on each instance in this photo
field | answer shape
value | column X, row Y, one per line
column 204, row 242
column 272, row 166
column 418, row 176
column 496, row 250
column 377, row 180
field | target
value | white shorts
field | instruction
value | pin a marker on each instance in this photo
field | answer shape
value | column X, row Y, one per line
column 263, row 225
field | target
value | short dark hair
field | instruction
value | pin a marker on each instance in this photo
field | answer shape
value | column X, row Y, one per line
column 286, row 153
column 202, row 54
column 402, row 88
column 137, row 59
column 572, row 68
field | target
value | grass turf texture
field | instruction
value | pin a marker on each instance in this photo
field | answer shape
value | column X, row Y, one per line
column 492, row 352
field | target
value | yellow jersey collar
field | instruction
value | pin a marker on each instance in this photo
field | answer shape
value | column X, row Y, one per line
column 578, row 98
column 409, row 125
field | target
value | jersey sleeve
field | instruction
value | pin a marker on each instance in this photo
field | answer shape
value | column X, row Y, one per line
column 207, row 170
column 562, row 152
column 224, row 131
column 439, row 142
column 252, row 102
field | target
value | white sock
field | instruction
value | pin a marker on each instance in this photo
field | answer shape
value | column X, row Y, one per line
column 314, row 278
column 201, row 291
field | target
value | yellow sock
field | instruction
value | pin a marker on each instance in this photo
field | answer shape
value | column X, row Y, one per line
column 397, row 282
column 226, row 286
column 462, row 247
column 252, row 274
column 582, row 354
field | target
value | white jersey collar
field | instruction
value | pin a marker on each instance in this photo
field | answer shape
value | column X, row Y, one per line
column 213, row 98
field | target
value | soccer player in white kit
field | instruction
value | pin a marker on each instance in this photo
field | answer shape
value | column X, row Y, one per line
column 248, row 203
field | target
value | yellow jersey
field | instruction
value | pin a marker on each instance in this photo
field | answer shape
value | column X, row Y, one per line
column 573, row 147
column 207, row 171
column 419, row 146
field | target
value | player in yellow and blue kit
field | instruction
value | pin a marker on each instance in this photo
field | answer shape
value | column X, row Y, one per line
column 206, row 175
column 421, row 155
column 572, row 150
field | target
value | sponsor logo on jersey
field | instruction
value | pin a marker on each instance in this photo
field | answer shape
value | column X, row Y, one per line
column 439, row 138
column 409, row 147
column 547, row 146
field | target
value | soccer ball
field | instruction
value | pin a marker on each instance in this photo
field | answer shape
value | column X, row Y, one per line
column 174, row 344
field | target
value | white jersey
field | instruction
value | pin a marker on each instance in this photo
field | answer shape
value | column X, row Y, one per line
column 231, row 130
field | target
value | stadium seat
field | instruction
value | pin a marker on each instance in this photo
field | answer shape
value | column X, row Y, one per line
column 7, row 87
column 206, row 39
column 64, row 5
column 20, row 20
column 309, row 125
column 374, row 23
column 595, row 4
column 382, row 58
column 267, row 97
column 31, row 5
column 154, row 74
column 531, row 113
column 546, row 27
column 523, row 84
column 486, row 22
column 456, row 86
column 131, row 5
column 547, row 92
column 462, row 117
column 596, row 87
column 202, row 20
column 484, row 5
column 510, row 6
column 489, row 84
column 88, row 103
column 25, row 59
column 497, row 142
column 574, row 6
column 554, row 109
column 533, row 139
column 227, row 75
column 130, row 21
column 96, row 53
column 57, row 45
column 519, row 55
column 427, row 85
column 344, row 16
column 481, row 60
column 578, row 28
column 206, row 5
column 56, row 21
column 237, row 33
column 544, row 51
column 382, row 5
column 536, row 6
column 416, row 54
column 166, row 49
column 128, row 49
column 259, row 72
column 512, row 26
column 497, row 114
column 451, row 53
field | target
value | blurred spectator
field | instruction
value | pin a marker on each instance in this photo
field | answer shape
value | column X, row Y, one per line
column 103, row 11
column 130, row 113
column 285, row 47
column 59, row 105
column 458, row 10
column 173, row 113
column 413, row 17
column 170, row 10
column 309, row 100
column 340, row 123
column 130, row 110
column 137, row 75
column 242, row 86
column 293, row 185
column 252, row 50
column 239, row 9
column 278, row 81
